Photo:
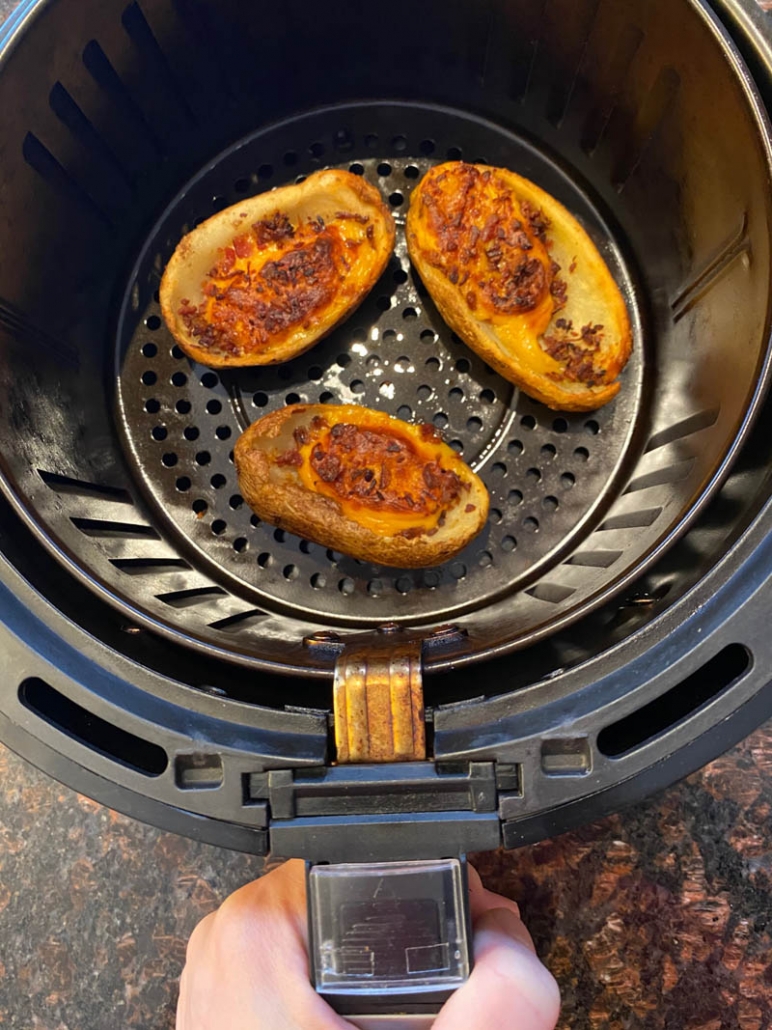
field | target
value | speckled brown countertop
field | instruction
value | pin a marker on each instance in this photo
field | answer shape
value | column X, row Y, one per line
column 660, row 918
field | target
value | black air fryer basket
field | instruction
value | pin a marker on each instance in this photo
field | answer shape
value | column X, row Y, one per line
column 169, row 654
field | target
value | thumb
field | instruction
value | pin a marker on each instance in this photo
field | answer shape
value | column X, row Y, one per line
column 509, row 988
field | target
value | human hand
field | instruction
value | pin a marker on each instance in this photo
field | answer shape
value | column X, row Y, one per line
column 247, row 966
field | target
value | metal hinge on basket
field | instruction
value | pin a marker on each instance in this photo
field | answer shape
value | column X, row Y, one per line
column 378, row 706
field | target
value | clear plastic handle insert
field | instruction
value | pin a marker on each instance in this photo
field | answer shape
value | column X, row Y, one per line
column 389, row 941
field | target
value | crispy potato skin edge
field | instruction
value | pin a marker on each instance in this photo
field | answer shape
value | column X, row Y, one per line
column 258, row 207
column 291, row 506
column 454, row 310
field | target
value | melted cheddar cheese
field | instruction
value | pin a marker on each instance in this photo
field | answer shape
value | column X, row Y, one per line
column 492, row 246
column 277, row 277
column 389, row 477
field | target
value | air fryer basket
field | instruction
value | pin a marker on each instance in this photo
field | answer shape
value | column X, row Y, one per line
column 123, row 125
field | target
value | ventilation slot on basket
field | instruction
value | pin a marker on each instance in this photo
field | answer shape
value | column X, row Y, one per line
column 661, row 477
column 67, row 485
column 554, row 593
column 148, row 566
column 136, row 25
column 69, row 718
column 100, row 156
column 686, row 427
column 703, row 280
column 103, row 73
column 632, row 519
column 45, row 164
column 237, row 621
column 595, row 559
column 185, row 598
column 106, row 527
column 639, row 727
column 619, row 61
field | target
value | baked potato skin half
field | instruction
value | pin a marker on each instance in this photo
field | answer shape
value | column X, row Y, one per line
column 361, row 482
column 265, row 279
column 521, row 282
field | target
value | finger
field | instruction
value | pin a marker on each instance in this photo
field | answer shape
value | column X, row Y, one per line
column 271, row 908
column 509, row 988
column 247, row 965
column 482, row 900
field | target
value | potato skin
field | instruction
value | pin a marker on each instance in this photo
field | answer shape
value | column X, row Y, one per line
column 592, row 298
column 326, row 194
column 278, row 496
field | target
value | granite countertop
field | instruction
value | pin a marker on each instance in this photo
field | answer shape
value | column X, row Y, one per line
column 659, row 918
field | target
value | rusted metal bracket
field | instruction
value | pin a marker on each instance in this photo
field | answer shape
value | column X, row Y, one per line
column 378, row 703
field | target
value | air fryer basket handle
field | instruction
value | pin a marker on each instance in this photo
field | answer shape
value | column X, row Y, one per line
column 389, row 942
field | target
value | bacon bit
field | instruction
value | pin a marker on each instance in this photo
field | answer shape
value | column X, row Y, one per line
column 411, row 533
column 372, row 466
column 537, row 220
column 572, row 266
column 301, row 436
column 559, row 291
column 243, row 246
column 480, row 226
column 291, row 457
column 352, row 216
column 272, row 230
column 428, row 432
column 328, row 466
column 575, row 351
column 470, row 508
column 284, row 294
column 522, row 290
column 344, row 435
column 431, row 474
